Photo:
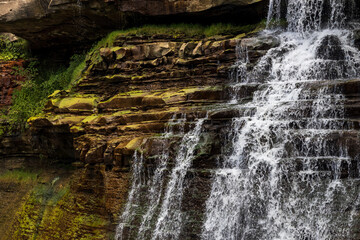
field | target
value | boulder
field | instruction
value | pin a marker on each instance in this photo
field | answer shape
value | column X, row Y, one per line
column 330, row 49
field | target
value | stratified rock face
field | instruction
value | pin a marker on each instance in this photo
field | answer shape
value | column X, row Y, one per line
column 127, row 95
column 132, row 89
column 123, row 102
column 62, row 22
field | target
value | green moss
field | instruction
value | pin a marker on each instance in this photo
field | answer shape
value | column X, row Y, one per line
column 176, row 31
column 70, row 219
column 53, row 211
column 28, row 218
column 18, row 175
column 73, row 101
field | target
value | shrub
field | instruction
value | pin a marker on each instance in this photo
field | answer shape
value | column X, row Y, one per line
column 12, row 50
column 41, row 81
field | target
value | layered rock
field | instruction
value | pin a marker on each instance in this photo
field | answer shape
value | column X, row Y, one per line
column 122, row 104
column 132, row 89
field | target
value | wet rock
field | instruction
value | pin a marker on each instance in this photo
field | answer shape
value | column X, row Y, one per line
column 257, row 47
column 260, row 43
column 357, row 39
column 330, row 48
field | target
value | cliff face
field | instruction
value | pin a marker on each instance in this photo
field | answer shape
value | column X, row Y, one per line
column 57, row 22
column 122, row 103
column 128, row 94
column 68, row 176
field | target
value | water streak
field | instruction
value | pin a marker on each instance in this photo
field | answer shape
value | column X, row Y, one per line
column 162, row 218
column 170, row 219
column 157, row 182
column 138, row 180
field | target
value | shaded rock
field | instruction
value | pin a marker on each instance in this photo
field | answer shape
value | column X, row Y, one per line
column 151, row 101
column 39, row 122
column 330, row 49
column 357, row 39
column 58, row 22
column 186, row 49
column 95, row 154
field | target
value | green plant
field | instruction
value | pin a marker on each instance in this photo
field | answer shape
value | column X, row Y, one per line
column 12, row 50
column 40, row 82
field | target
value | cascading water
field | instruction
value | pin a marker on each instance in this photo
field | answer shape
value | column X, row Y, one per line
column 138, row 180
column 282, row 177
column 168, row 225
column 162, row 218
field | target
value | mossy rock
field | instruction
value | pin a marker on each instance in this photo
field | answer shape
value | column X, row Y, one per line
column 78, row 103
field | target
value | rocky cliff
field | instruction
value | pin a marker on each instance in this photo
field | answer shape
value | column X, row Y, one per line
column 9, row 80
column 46, row 23
column 126, row 97
column 122, row 103
column 68, row 176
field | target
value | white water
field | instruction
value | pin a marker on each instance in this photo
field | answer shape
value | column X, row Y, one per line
column 133, row 201
column 169, row 222
column 162, row 218
column 259, row 192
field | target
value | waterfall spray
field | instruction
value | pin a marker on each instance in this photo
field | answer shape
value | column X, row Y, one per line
column 282, row 179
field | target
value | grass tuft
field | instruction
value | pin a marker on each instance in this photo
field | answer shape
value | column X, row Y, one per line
column 18, row 175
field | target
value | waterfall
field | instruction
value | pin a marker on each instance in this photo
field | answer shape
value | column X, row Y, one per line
column 168, row 225
column 162, row 217
column 138, row 180
column 282, row 177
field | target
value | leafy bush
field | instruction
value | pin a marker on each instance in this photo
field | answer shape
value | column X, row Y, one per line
column 12, row 50
column 41, row 82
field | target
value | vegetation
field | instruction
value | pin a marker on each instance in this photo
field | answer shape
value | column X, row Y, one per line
column 18, row 175
column 12, row 50
column 40, row 82
column 175, row 31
